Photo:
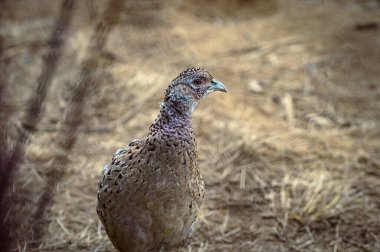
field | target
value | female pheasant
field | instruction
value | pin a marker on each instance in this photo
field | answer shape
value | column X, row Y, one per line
column 150, row 193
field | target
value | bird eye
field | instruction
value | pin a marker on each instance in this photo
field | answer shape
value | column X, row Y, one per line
column 197, row 81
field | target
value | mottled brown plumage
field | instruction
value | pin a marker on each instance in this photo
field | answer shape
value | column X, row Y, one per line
column 151, row 191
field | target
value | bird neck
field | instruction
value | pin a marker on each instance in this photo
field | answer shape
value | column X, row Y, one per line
column 173, row 119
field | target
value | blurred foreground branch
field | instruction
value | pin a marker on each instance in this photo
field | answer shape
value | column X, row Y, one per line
column 10, row 161
column 73, row 117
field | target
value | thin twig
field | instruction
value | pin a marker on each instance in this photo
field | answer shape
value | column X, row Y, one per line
column 337, row 239
column 354, row 243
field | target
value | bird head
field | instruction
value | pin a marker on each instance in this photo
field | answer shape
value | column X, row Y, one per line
column 191, row 86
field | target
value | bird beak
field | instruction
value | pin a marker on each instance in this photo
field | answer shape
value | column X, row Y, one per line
column 218, row 86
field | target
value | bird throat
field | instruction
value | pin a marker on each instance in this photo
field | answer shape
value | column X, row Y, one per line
column 173, row 119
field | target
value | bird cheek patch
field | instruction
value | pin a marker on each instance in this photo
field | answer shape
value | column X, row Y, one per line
column 209, row 91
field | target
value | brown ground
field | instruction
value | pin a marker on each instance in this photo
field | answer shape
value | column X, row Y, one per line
column 290, row 157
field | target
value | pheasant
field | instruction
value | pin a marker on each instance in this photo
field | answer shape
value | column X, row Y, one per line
column 150, row 193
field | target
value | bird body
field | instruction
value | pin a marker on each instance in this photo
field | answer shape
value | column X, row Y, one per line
column 151, row 191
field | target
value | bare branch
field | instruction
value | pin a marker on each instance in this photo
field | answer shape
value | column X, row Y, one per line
column 10, row 163
column 73, row 118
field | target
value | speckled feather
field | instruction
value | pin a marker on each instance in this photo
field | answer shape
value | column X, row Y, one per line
column 151, row 191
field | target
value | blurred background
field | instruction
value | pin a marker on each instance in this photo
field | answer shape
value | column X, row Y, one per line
column 290, row 157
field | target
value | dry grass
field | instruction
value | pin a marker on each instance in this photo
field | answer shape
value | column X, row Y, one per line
column 290, row 157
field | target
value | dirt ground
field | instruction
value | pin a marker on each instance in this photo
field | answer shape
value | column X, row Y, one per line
column 290, row 156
